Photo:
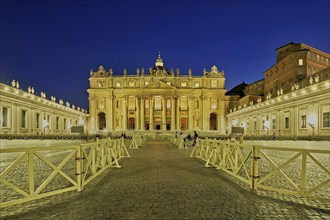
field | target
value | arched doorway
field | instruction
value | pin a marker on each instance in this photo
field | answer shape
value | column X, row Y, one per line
column 157, row 123
column 213, row 121
column 146, row 125
column 131, row 123
column 102, row 121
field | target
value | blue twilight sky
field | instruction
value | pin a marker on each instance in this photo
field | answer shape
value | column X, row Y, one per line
column 53, row 45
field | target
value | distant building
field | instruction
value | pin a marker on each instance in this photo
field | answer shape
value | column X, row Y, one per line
column 292, row 100
column 294, row 62
column 23, row 112
column 157, row 99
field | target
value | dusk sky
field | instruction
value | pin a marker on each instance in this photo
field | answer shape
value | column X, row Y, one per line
column 53, row 45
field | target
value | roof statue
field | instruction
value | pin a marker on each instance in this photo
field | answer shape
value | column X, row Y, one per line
column 100, row 73
column 215, row 73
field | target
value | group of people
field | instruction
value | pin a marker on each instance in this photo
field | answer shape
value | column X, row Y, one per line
column 188, row 137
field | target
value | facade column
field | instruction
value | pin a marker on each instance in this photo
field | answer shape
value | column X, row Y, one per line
column 151, row 108
column 142, row 124
column 222, row 126
column 163, row 114
column 173, row 114
column 296, row 120
column 190, row 113
column 109, row 113
column 124, row 111
column 205, row 115
column 177, row 114
column 30, row 119
column 93, row 119
column 137, row 113
column 201, row 123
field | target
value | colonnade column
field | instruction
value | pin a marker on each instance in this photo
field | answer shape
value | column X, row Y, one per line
column 151, row 120
column 172, row 114
column 190, row 113
column 142, row 114
column 163, row 115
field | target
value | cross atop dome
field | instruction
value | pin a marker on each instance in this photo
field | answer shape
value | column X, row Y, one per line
column 159, row 61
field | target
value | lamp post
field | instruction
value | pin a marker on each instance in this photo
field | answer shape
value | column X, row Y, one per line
column 312, row 122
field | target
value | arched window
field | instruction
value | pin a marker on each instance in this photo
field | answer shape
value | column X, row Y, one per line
column 102, row 121
column 213, row 121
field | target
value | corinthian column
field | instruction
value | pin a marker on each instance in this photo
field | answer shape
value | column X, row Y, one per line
column 124, row 111
column 137, row 113
column 190, row 114
column 177, row 114
column 163, row 115
column 151, row 108
column 109, row 113
column 172, row 114
column 142, row 124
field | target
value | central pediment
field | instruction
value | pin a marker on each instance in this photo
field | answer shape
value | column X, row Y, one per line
column 159, row 85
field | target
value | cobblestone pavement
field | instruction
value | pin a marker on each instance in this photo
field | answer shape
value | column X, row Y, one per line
column 161, row 182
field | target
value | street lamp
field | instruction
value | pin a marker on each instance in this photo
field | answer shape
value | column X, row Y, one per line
column 312, row 122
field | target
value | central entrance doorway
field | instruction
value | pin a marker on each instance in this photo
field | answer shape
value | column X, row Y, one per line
column 131, row 123
column 157, row 123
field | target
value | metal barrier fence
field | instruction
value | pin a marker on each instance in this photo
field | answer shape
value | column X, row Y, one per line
column 300, row 172
column 31, row 173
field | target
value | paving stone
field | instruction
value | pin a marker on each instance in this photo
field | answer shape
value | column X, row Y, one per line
column 161, row 182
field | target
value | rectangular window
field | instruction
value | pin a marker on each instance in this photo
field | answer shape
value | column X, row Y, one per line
column 183, row 84
column 255, row 124
column 168, row 104
column 286, row 123
column 303, row 121
column 118, row 84
column 37, row 120
column 158, row 103
column 213, row 83
column 263, row 125
column 48, row 121
column 131, row 83
column 147, row 104
column 57, row 122
column 301, row 62
column 273, row 124
column 24, row 118
column 326, row 119
column 4, row 117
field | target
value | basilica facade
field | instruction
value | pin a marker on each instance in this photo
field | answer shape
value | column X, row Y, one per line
column 157, row 99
